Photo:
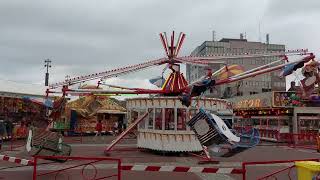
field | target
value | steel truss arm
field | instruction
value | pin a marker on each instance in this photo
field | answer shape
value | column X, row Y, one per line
column 262, row 71
column 109, row 73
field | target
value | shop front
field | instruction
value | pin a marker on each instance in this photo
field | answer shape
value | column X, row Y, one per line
column 258, row 111
column 276, row 114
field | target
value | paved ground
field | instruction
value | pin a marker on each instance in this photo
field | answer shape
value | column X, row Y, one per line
column 91, row 148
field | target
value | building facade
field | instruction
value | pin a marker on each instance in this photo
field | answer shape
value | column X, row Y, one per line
column 263, row 83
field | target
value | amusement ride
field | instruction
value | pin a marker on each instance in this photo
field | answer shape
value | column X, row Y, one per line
column 178, row 118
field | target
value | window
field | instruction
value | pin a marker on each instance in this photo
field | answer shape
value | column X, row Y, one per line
column 158, row 119
column 169, row 119
column 150, row 119
column 239, row 93
column 142, row 123
column 181, row 119
column 256, row 122
column 266, row 90
column 134, row 115
column 192, row 113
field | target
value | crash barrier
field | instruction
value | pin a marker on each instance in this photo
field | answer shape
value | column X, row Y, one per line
column 87, row 169
column 288, row 165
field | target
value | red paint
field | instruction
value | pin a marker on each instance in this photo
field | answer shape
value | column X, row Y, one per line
column 153, row 168
column 181, row 169
column 126, row 168
column 210, row 170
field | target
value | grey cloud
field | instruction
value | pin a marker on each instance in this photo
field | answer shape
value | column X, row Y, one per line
column 87, row 36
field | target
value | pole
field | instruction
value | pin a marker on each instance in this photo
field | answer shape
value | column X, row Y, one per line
column 35, row 168
column 135, row 123
column 47, row 65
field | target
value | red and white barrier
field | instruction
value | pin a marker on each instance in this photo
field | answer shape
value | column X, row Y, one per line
column 16, row 160
column 181, row 169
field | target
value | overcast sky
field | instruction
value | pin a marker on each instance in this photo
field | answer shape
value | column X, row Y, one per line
column 87, row 36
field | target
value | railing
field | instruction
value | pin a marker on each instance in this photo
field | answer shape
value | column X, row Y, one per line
column 305, row 140
column 274, row 173
column 91, row 167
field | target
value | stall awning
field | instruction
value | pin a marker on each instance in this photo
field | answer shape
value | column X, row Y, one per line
column 264, row 117
column 309, row 117
column 101, row 111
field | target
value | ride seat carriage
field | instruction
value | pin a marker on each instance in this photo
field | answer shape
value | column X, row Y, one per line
column 212, row 131
column 46, row 143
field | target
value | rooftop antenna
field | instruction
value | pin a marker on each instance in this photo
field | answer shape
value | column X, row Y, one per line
column 213, row 35
column 47, row 64
column 259, row 32
column 241, row 35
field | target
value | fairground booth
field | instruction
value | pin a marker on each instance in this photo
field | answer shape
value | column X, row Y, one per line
column 18, row 109
column 276, row 113
column 84, row 113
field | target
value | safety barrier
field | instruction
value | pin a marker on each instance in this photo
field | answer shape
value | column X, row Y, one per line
column 16, row 160
column 182, row 169
column 305, row 140
column 295, row 140
column 91, row 167
column 287, row 167
column 43, row 169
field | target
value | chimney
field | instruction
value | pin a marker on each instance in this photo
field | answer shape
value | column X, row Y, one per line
column 241, row 35
column 267, row 38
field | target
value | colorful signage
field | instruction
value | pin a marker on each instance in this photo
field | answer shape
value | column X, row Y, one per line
column 249, row 103
column 286, row 99
column 252, row 103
